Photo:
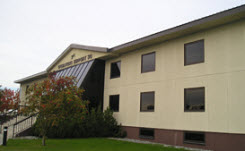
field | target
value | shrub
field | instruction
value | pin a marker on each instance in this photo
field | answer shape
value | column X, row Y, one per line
column 96, row 124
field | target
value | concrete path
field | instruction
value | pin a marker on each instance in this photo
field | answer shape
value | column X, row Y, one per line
column 148, row 142
column 1, row 140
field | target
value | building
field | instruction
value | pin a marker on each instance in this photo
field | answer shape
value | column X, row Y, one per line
column 183, row 86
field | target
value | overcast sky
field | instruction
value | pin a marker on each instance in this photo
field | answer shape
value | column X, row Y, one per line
column 33, row 33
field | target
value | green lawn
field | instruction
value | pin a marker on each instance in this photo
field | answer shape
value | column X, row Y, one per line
column 89, row 144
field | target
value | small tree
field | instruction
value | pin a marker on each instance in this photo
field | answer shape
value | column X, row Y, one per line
column 55, row 100
column 9, row 99
column 1, row 95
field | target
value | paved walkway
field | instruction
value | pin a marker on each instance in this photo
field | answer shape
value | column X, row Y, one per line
column 148, row 142
column 1, row 138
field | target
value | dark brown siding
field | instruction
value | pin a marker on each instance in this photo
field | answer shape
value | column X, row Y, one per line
column 214, row 141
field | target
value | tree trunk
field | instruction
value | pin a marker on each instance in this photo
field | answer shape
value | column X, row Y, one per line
column 43, row 141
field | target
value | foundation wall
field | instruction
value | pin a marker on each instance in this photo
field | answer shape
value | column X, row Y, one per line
column 214, row 141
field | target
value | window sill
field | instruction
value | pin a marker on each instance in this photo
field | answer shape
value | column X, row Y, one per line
column 194, row 143
column 146, row 137
column 147, row 71
column 147, row 111
column 189, row 111
column 114, row 77
column 194, row 63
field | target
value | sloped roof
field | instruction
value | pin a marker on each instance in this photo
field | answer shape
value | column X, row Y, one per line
column 201, row 24
column 205, row 23
column 79, row 71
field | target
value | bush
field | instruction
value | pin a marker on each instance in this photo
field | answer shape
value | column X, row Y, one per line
column 95, row 124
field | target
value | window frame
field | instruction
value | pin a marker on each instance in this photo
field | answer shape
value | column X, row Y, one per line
column 154, row 62
column 193, row 141
column 185, row 64
column 111, row 70
column 118, row 102
column 141, row 101
column 200, row 110
column 144, row 136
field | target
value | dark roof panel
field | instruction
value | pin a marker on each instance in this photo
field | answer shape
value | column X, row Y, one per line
column 79, row 72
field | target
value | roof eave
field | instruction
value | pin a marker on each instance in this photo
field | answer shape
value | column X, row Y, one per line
column 39, row 75
column 185, row 29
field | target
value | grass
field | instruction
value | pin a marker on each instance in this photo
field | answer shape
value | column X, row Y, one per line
column 88, row 144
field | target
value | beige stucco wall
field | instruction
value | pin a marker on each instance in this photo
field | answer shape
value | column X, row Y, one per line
column 78, row 54
column 222, row 74
column 23, row 90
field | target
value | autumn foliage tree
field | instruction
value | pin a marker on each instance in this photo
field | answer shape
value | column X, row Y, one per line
column 1, row 95
column 55, row 100
column 9, row 99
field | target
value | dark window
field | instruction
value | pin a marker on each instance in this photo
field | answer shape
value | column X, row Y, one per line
column 115, row 69
column 146, row 133
column 194, row 52
column 194, row 138
column 27, row 87
column 194, row 99
column 147, row 101
column 114, row 103
column 148, row 62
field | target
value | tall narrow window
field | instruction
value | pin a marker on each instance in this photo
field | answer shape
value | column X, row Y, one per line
column 194, row 138
column 115, row 69
column 194, row 99
column 146, row 133
column 27, row 87
column 148, row 62
column 194, row 52
column 114, row 103
column 147, row 101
